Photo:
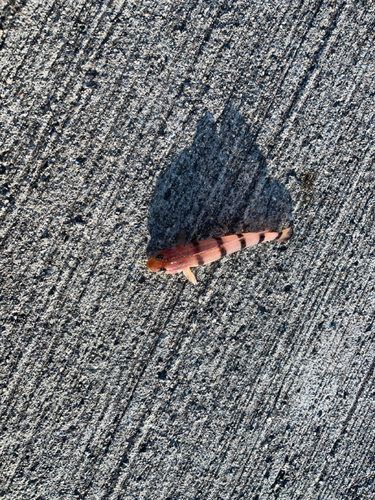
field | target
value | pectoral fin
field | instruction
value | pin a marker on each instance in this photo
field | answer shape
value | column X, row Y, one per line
column 188, row 273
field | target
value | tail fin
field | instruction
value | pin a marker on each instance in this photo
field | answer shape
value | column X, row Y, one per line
column 284, row 235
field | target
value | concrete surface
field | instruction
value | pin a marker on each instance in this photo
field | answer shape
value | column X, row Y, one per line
column 122, row 123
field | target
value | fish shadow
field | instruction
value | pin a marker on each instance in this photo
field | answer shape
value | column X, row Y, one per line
column 217, row 186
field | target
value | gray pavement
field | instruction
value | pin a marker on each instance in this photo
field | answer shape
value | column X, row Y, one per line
column 122, row 123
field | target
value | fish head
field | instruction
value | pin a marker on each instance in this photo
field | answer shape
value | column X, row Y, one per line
column 156, row 263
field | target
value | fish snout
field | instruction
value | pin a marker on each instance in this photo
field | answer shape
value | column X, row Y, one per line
column 154, row 265
column 151, row 265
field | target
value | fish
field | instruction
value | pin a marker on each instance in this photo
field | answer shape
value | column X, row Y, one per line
column 182, row 258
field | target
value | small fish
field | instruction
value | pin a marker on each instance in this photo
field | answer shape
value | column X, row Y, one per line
column 181, row 258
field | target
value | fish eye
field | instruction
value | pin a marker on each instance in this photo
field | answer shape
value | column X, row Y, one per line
column 159, row 257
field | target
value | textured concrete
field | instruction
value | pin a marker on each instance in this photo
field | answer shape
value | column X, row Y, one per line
column 122, row 123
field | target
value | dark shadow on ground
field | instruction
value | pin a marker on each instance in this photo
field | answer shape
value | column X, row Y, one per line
column 218, row 186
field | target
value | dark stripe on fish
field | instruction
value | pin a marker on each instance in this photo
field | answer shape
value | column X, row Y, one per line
column 242, row 240
column 200, row 260
column 220, row 244
column 197, row 255
column 261, row 238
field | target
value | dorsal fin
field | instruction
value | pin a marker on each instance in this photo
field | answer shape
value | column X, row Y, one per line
column 180, row 238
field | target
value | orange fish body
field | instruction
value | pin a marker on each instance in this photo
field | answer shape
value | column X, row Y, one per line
column 182, row 258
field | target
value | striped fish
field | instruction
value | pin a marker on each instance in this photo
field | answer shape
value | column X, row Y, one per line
column 181, row 258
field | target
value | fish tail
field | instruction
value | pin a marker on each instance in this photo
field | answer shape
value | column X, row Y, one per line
column 284, row 235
